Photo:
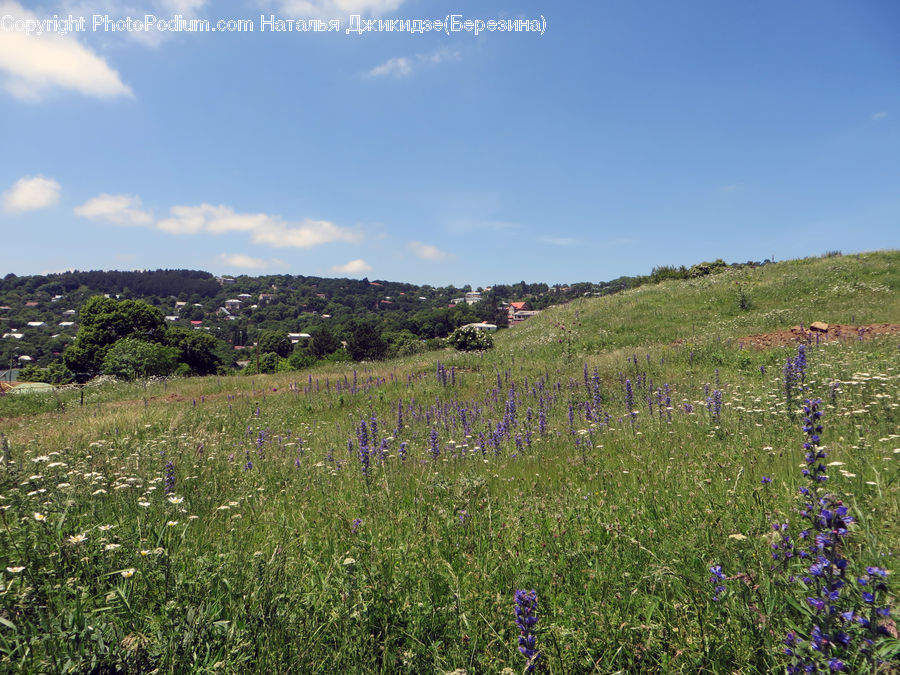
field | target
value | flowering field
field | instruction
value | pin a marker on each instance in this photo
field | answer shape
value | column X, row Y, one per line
column 587, row 497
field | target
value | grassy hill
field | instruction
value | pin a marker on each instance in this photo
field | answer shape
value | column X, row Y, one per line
column 606, row 454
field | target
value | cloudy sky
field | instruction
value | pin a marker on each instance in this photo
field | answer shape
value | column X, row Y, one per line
column 622, row 135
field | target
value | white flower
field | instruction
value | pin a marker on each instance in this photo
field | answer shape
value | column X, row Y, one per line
column 15, row 569
column 172, row 523
column 111, row 547
column 127, row 573
column 40, row 517
column 77, row 538
column 175, row 500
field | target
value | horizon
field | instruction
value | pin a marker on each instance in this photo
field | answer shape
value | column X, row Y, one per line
column 600, row 142
column 563, row 283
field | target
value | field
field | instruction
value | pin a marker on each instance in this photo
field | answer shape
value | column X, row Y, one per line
column 607, row 454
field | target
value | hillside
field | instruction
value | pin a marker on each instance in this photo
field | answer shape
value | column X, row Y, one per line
column 626, row 457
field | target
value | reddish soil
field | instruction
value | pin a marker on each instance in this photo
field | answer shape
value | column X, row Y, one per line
column 807, row 335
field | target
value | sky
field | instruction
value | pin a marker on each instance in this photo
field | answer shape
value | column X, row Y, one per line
column 608, row 138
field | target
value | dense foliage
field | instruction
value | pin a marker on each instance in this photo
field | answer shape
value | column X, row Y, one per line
column 409, row 317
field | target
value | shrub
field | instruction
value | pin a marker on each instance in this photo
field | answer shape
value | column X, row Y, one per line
column 468, row 339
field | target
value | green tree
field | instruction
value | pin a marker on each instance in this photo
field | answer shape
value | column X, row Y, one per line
column 365, row 341
column 323, row 342
column 196, row 349
column 104, row 321
column 275, row 342
column 131, row 358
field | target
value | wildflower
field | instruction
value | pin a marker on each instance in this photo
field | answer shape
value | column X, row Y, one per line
column 175, row 500
column 717, row 576
column 77, row 538
column 15, row 569
column 111, row 547
column 172, row 523
column 766, row 480
column 526, row 619
column 170, row 478
column 354, row 526
column 40, row 517
column 128, row 573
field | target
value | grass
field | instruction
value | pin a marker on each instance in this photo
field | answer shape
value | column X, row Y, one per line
column 303, row 562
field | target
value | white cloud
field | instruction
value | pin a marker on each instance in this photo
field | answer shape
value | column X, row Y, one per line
column 34, row 64
column 183, row 7
column 358, row 266
column 337, row 8
column 427, row 251
column 400, row 66
column 396, row 67
column 263, row 228
column 879, row 115
column 115, row 209
column 31, row 193
column 243, row 261
column 558, row 241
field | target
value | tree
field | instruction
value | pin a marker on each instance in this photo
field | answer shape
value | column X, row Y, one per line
column 196, row 349
column 103, row 321
column 365, row 341
column 275, row 342
column 130, row 358
column 323, row 342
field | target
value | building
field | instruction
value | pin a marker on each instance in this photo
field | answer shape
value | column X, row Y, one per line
column 519, row 311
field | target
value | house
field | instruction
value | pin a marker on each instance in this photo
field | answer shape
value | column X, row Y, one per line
column 457, row 301
column 31, row 303
column 266, row 298
column 233, row 304
column 36, row 324
column 17, row 336
column 244, row 296
column 69, row 312
column 472, row 297
column 488, row 327
column 56, row 298
column 519, row 311
column 180, row 304
column 225, row 281
column 170, row 317
column 197, row 325
column 223, row 312
column 66, row 324
column 296, row 337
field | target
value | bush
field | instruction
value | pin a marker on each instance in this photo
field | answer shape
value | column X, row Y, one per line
column 469, row 339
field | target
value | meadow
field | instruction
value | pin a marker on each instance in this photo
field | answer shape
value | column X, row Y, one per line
column 624, row 457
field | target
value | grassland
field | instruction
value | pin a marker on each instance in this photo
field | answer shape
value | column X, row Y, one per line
column 236, row 524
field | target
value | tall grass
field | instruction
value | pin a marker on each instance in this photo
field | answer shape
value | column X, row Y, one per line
column 274, row 551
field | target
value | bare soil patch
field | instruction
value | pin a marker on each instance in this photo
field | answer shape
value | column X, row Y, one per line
column 816, row 333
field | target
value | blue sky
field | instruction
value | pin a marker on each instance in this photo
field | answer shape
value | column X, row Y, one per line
column 628, row 134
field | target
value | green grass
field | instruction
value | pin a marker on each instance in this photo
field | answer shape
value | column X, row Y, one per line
column 264, row 571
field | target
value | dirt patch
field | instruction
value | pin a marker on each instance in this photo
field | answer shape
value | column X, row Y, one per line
column 816, row 333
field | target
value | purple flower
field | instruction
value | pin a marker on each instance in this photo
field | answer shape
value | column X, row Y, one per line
column 526, row 619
